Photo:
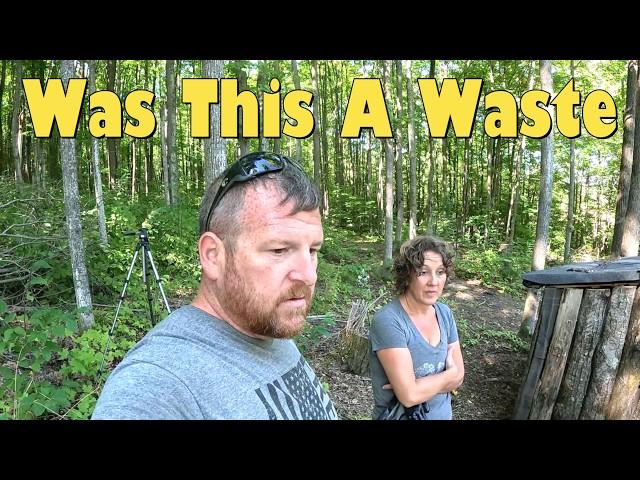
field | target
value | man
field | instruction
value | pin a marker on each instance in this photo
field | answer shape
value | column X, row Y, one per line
column 229, row 355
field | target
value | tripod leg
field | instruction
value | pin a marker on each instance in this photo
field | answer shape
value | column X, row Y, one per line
column 121, row 299
column 148, row 285
column 158, row 280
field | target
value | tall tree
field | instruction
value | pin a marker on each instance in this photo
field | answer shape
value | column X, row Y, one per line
column 412, row 153
column 111, row 142
column 16, row 125
column 398, row 157
column 72, row 214
column 260, row 86
column 215, row 150
column 95, row 155
column 544, row 206
column 432, row 166
column 3, row 72
column 388, row 186
column 626, row 161
column 629, row 247
column 514, row 200
column 316, row 133
column 296, row 84
column 172, row 162
column 242, row 140
column 572, row 192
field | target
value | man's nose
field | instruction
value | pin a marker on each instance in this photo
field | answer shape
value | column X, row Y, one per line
column 305, row 269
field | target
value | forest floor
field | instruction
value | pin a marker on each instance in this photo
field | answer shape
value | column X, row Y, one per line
column 494, row 357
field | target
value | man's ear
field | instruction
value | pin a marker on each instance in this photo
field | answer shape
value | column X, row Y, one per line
column 212, row 255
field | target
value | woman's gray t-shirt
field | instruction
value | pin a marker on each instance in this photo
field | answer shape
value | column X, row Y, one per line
column 392, row 328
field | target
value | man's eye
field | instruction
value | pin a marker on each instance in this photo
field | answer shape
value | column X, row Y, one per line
column 279, row 251
column 421, row 273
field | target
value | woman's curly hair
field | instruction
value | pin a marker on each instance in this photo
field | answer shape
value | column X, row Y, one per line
column 410, row 259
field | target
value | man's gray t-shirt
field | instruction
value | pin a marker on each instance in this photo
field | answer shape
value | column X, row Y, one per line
column 392, row 328
column 195, row 366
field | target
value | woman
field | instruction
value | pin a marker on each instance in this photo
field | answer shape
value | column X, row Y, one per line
column 414, row 349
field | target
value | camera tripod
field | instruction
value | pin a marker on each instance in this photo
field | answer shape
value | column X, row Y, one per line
column 143, row 245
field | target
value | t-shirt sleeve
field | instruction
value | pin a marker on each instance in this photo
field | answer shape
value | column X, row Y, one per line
column 144, row 391
column 386, row 332
column 452, row 329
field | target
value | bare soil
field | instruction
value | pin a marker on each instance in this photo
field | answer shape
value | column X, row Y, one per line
column 494, row 357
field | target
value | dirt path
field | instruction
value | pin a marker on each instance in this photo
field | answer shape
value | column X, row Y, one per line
column 494, row 357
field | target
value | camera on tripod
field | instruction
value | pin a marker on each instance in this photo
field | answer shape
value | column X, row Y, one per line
column 143, row 234
column 147, row 259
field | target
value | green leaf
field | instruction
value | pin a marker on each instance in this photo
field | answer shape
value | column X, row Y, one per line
column 19, row 331
column 37, row 409
column 71, row 324
column 58, row 331
column 3, row 307
column 39, row 281
column 60, row 397
column 39, row 265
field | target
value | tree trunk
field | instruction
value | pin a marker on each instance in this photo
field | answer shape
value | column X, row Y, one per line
column 412, row 155
column 556, row 358
column 95, row 155
column 296, row 85
column 172, row 161
column 111, row 142
column 163, row 149
column 578, row 368
column 316, row 134
column 607, row 354
column 625, row 398
column 388, row 188
column 398, row 156
column 324, row 138
column 16, row 132
column 72, row 214
column 626, row 161
column 242, row 141
column 629, row 246
column 432, row 165
column 215, row 150
column 2, row 83
column 262, row 141
column 544, row 200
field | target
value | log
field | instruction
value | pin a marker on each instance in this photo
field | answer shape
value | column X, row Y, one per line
column 354, row 340
column 578, row 370
column 607, row 354
column 540, row 343
column 625, row 398
column 547, row 390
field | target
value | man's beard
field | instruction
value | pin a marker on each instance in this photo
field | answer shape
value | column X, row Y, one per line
column 260, row 315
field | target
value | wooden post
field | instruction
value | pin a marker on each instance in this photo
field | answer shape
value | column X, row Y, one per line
column 578, row 370
column 354, row 342
column 540, row 344
column 625, row 398
column 607, row 354
column 547, row 390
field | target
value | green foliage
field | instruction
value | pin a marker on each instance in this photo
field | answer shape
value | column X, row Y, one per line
column 312, row 333
column 511, row 337
column 502, row 270
column 348, row 268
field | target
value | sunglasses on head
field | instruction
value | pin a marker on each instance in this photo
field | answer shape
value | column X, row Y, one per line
column 246, row 168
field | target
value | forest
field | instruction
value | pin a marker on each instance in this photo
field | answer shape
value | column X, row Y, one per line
column 137, row 154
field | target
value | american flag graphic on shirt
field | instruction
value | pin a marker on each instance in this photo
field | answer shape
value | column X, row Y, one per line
column 297, row 395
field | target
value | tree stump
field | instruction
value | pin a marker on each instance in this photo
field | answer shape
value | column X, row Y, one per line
column 354, row 339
